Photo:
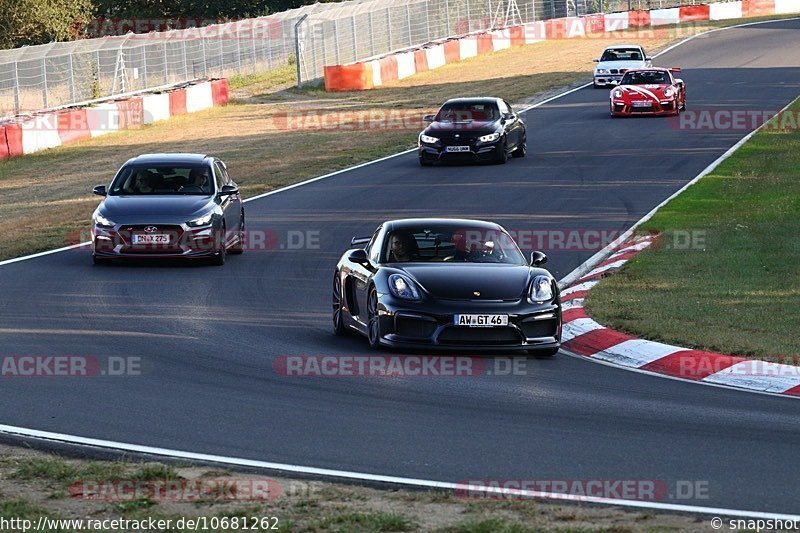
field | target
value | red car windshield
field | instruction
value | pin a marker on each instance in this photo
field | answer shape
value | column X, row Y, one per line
column 646, row 77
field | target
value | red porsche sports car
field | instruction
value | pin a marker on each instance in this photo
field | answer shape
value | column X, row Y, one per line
column 649, row 91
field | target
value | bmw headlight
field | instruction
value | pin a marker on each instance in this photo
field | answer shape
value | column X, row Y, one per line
column 103, row 222
column 541, row 289
column 202, row 221
column 402, row 287
column 489, row 138
column 601, row 71
column 427, row 139
column 669, row 92
column 617, row 93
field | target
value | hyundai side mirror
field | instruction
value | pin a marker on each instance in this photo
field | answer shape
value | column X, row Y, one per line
column 427, row 119
column 100, row 190
column 228, row 190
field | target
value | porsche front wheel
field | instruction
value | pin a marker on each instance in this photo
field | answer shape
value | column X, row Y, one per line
column 373, row 320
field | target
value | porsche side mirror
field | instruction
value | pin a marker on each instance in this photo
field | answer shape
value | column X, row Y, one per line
column 359, row 257
column 428, row 118
column 679, row 81
column 100, row 190
column 538, row 258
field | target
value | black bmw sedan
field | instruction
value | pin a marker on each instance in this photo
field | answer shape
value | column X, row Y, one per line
column 472, row 129
column 169, row 206
column 446, row 284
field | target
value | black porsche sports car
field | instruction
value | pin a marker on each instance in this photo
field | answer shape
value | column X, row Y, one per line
column 472, row 129
column 169, row 206
column 448, row 284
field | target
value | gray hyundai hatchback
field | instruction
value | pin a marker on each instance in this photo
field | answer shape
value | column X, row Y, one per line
column 169, row 206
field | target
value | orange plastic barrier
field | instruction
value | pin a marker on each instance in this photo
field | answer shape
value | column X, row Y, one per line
column 420, row 60
column 700, row 12
column 452, row 51
column 14, row 139
column 388, row 69
column 131, row 112
column 73, row 125
column 517, row 35
column 220, row 91
column 754, row 8
column 3, row 144
column 177, row 102
column 638, row 19
column 348, row 77
column 484, row 43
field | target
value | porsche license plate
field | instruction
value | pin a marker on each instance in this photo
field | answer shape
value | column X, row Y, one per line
column 457, row 149
column 480, row 321
column 154, row 238
column 642, row 103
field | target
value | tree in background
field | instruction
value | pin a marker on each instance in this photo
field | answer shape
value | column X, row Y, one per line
column 41, row 21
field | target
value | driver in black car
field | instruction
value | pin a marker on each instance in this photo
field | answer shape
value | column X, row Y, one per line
column 403, row 247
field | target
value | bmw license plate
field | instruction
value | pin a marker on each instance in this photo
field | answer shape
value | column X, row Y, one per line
column 154, row 238
column 456, row 149
column 642, row 103
column 480, row 321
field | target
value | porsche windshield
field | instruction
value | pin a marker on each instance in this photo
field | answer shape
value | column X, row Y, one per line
column 453, row 244
column 162, row 179
column 622, row 54
column 468, row 111
column 645, row 77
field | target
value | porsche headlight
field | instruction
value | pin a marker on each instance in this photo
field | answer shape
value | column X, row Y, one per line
column 103, row 222
column 601, row 71
column 541, row 289
column 402, row 287
column 489, row 138
column 202, row 221
column 617, row 93
column 669, row 92
column 427, row 139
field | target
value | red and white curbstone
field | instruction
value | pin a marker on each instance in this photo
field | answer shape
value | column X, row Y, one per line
column 583, row 336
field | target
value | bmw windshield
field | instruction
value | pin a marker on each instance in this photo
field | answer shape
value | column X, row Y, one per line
column 134, row 180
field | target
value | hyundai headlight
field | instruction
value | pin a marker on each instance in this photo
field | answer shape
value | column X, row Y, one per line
column 489, row 138
column 103, row 222
column 427, row 139
column 402, row 287
column 541, row 289
column 202, row 221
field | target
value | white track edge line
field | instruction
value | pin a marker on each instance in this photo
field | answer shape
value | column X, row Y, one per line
column 177, row 454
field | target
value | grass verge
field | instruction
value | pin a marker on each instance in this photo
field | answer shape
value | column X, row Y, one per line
column 726, row 278
column 34, row 484
column 46, row 197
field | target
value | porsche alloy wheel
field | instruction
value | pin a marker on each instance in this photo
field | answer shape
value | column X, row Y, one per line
column 338, row 305
column 373, row 321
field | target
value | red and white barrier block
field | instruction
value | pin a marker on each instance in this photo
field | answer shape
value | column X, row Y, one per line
column 583, row 336
column 403, row 64
column 28, row 135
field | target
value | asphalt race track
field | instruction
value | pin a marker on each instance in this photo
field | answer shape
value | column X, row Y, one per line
column 208, row 336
